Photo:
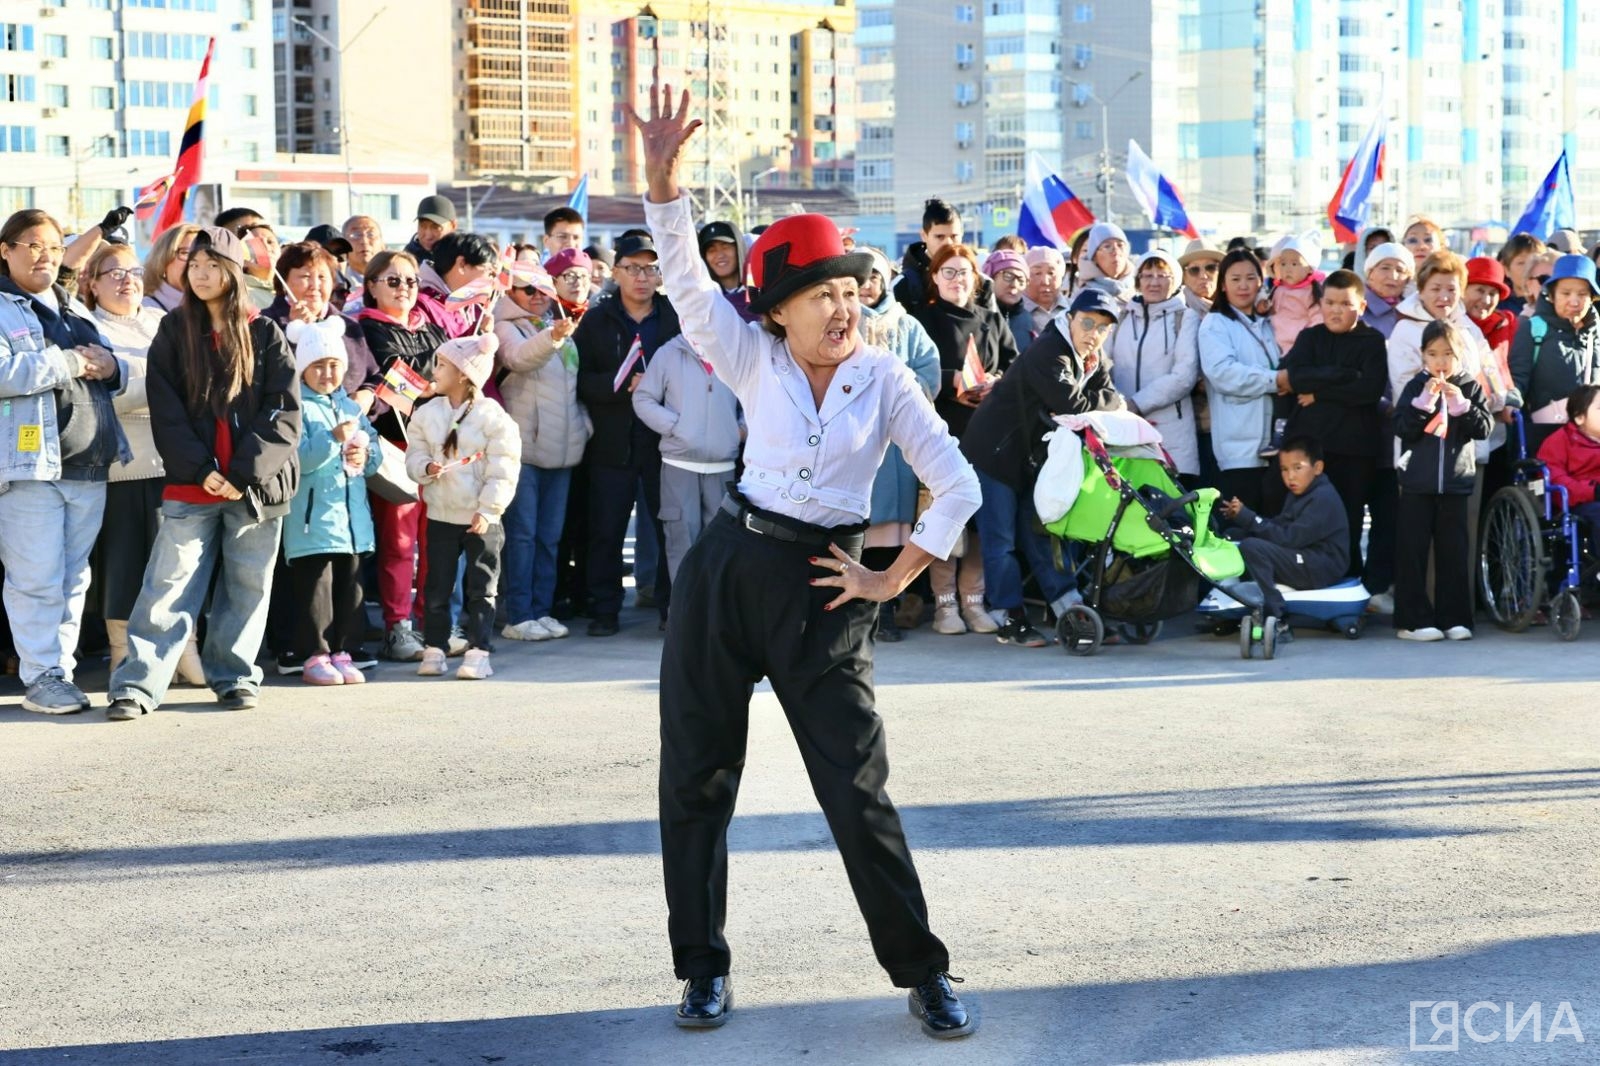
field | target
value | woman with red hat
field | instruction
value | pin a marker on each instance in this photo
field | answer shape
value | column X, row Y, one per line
column 1486, row 291
column 775, row 588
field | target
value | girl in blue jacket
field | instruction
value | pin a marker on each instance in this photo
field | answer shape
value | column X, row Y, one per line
column 330, row 525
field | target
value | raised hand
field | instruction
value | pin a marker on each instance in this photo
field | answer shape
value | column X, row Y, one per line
column 663, row 136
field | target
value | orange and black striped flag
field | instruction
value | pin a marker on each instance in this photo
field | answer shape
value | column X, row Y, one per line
column 186, row 174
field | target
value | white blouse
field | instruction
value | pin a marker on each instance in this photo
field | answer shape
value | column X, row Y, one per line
column 814, row 466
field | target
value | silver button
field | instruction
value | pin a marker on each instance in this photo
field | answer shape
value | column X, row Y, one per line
column 763, row 477
column 802, row 496
column 783, row 368
column 805, row 473
column 920, row 527
column 813, row 439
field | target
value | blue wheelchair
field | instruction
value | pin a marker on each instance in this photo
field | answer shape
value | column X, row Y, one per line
column 1534, row 553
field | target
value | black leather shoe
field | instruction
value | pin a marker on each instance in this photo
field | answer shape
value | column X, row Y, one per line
column 935, row 1004
column 604, row 626
column 706, row 1002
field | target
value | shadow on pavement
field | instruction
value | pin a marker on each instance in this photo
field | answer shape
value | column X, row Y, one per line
column 1352, row 811
column 1363, row 1011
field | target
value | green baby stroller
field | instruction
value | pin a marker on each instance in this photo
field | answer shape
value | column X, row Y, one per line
column 1148, row 544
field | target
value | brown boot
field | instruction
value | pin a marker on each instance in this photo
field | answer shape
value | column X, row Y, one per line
column 117, row 638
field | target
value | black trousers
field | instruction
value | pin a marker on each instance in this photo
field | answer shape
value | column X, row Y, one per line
column 1269, row 564
column 1438, row 523
column 325, row 591
column 127, row 537
column 744, row 609
column 447, row 542
column 1353, row 477
column 612, row 490
column 1384, row 504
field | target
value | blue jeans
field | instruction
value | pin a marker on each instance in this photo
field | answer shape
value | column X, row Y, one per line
column 1003, row 526
column 194, row 538
column 47, row 529
column 533, row 530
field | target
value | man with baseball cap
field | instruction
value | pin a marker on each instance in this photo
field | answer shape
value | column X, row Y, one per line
column 1061, row 373
column 722, row 249
column 436, row 216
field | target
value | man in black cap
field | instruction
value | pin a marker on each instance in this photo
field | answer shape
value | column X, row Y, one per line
column 723, row 251
column 623, row 453
column 335, row 245
column 436, row 216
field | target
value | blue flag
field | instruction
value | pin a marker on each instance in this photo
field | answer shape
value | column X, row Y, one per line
column 580, row 200
column 1553, row 207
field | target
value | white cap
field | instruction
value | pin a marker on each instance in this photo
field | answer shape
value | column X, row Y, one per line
column 315, row 341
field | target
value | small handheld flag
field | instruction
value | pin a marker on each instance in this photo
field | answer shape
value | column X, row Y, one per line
column 972, row 377
column 401, row 387
column 147, row 199
column 475, row 293
column 256, row 252
column 635, row 353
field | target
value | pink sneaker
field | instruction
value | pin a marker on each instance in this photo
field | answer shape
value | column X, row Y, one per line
column 347, row 669
column 319, row 670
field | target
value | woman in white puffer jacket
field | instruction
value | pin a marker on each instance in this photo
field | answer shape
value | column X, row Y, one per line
column 1153, row 372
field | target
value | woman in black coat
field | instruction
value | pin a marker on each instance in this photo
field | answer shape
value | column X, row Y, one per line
column 959, row 323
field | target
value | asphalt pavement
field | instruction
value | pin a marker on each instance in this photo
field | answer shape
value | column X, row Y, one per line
column 1158, row 854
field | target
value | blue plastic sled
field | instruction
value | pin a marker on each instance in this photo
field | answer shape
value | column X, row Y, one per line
column 1342, row 607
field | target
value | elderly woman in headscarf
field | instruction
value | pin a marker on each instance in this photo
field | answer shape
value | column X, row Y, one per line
column 885, row 324
column 1106, row 261
column 1151, row 367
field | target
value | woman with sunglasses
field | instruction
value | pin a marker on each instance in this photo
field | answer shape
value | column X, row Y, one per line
column 225, row 408
column 113, row 283
column 539, row 360
column 398, row 333
column 959, row 323
column 164, row 266
column 1200, row 263
column 60, row 439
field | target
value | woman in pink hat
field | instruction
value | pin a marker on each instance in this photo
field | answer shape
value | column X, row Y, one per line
column 774, row 587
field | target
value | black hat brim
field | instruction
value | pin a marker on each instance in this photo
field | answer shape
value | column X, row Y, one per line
column 856, row 265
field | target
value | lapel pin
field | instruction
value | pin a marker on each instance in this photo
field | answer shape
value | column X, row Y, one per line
column 847, row 388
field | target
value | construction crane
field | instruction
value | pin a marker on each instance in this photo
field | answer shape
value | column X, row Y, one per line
column 720, row 197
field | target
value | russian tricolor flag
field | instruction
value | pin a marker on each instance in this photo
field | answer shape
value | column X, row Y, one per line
column 1051, row 214
column 1347, row 211
column 1156, row 194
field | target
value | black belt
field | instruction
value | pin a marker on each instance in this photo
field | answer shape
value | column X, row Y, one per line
column 792, row 531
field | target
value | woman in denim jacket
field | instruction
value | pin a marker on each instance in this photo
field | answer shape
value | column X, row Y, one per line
column 59, row 437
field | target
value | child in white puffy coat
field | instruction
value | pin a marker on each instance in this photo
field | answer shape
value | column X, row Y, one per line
column 465, row 453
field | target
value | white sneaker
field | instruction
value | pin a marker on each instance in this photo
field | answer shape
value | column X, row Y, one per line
column 1458, row 633
column 1426, row 633
column 1381, row 603
column 475, row 667
column 553, row 627
column 458, row 645
column 532, row 629
column 432, row 663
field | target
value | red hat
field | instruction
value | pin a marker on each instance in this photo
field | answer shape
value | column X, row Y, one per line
column 798, row 251
column 1484, row 270
column 566, row 259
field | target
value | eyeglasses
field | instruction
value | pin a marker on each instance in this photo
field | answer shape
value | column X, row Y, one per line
column 1011, row 277
column 35, row 249
column 1200, row 268
column 573, row 277
column 528, row 290
column 364, row 234
column 395, row 282
column 1540, row 278
column 634, row 270
column 121, row 274
column 955, row 273
column 181, row 254
column 1096, row 329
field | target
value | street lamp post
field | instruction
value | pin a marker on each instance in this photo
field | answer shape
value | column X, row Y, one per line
column 1105, row 135
column 344, row 122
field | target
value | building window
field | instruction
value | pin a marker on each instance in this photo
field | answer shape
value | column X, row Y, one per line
column 55, row 46
column 1082, row 53
column 965, row 171
column 1082, row 12
column 966, row 93
column 1083, row 130
column 1081, row 93
column 55, row 95
column 17, row 89
column 101, row 47
column 19, row 139
column 250, row 105
column 250, row 58
column 15, row 38
column 966, row 13
column 377, row 205
column 104, row 98
column 965, row 54
column 55, row 144
column 964, row 134
column 247, row 10
column 15, row 198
